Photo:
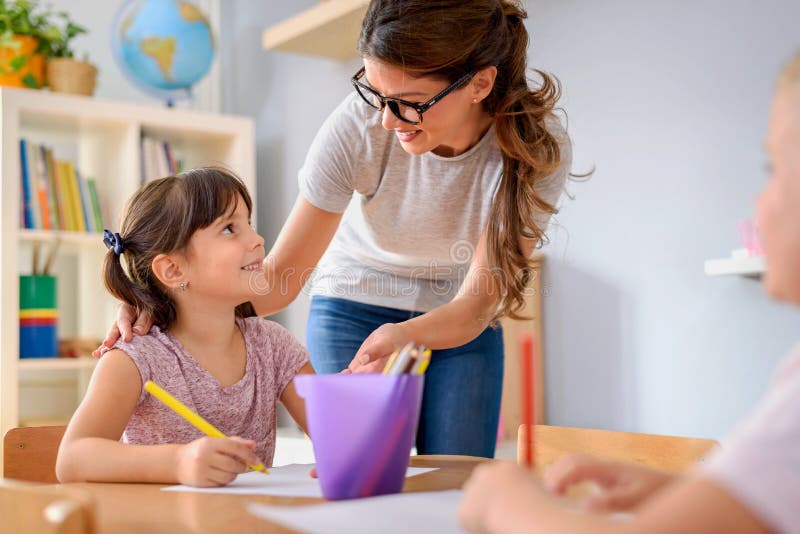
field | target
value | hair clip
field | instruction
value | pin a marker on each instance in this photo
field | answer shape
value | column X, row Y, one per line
column 113, row 241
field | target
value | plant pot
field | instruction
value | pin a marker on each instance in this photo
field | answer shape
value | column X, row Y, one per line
column 69, row 75
column 20, row 66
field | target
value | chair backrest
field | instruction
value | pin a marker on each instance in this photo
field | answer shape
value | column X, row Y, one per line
column 29, row 508
column 669, row 453
column 29, row 453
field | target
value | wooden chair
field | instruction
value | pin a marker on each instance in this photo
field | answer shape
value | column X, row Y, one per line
column 668, row 453
column 31, row 508
column 29, row 453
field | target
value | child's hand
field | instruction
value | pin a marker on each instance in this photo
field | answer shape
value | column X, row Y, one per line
column 624, row 485
column 209, row 462
column 495, row 494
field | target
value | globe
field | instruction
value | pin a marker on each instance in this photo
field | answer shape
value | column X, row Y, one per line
column 163, row 46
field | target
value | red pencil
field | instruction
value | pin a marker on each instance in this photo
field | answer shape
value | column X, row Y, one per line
column 526, row 342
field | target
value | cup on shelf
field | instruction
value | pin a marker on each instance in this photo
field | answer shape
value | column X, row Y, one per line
column 38, row 316
column 362, row 427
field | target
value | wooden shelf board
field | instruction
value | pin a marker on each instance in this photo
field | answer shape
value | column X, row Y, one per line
column 329, row 29
column 753, row 266
column 49, row 364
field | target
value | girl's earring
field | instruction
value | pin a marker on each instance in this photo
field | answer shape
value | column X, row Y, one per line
column 474, row 100
column 182, row 286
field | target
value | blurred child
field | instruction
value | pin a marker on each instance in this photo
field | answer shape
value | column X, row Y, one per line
column 188, row 255
column 752, row 484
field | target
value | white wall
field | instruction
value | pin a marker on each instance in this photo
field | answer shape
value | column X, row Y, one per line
column 668, row 100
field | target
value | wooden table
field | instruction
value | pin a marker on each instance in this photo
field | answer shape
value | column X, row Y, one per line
column 136, row 508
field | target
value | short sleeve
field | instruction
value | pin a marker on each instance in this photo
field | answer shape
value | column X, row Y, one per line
column 288, row 355
column 137, row 351
column 760, row 464
column 327, row 178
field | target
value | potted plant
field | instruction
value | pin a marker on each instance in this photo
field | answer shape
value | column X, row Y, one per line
column 21, row 62
column 32, row 37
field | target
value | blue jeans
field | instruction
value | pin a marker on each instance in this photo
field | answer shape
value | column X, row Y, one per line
column 463, row 385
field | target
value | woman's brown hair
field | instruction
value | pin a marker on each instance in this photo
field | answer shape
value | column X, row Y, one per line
column 161, row 218
column 449, row 38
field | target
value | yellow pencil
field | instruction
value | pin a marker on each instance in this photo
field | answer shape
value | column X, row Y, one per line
column 423, row 364
column 184, row 411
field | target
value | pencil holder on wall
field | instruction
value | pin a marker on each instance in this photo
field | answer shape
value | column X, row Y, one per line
column 38, row 317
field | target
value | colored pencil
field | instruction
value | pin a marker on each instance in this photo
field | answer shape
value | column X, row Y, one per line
column 184, row 411
column 526, row 342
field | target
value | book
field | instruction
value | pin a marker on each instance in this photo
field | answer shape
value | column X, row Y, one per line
column 55, row 189
column 42, row 190
column 96, row 212
column 26, row 185
column 75, row 196
column 86, row 205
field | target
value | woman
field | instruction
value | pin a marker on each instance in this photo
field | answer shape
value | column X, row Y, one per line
column 457, row 165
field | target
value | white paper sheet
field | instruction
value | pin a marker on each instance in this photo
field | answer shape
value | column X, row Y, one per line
column 288, row 481
column 420, row 513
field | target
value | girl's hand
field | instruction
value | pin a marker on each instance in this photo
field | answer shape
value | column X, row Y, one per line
column 373, row 354
column 207, row 462
column 624, row 485
column 494, row 493
column 126, row 316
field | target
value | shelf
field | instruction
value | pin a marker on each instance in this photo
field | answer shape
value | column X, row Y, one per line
column 330, row 29
column 57, row 364
column 752, row 266
column 73, row 238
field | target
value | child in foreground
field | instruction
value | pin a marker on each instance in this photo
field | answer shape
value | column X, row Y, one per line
column 752, row 483
column 187, row 254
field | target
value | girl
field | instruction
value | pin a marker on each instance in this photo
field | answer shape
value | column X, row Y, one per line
column 188, row 256
column 456, row 164
column 752, row 484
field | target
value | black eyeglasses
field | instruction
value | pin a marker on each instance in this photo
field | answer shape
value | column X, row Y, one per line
column 410, row 112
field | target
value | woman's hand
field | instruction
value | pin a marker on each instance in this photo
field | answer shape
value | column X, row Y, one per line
column 624, row 485
column 208, row 462
column 374, row 352
column 126, row 316
column 495, row 493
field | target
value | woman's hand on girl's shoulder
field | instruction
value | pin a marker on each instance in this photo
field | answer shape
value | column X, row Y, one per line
column 126, row 316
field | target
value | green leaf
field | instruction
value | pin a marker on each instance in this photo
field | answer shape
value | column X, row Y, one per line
column 18, row 62
column 30, row 81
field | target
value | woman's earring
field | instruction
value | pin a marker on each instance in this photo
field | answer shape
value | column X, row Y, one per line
column 474, row 100
column 182, row 285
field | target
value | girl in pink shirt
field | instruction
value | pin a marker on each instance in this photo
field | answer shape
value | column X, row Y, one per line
column 187, row 254
column 752, row 483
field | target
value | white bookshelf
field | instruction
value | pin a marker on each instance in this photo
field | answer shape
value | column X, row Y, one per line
column 104, row 138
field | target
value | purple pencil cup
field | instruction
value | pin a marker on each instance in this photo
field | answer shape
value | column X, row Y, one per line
column 362, row 427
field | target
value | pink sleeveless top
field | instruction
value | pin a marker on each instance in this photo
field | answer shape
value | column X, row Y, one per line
column 246, row 408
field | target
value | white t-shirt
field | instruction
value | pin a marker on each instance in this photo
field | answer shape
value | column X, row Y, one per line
column 759, row 464
column 407, row 239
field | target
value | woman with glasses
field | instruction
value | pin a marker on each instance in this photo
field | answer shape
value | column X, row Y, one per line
column 451, row 166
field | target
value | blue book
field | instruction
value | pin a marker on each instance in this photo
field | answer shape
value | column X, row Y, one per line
column 26, row 185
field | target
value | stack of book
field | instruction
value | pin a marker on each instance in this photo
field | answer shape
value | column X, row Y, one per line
column 54, row 194
column 158, row 159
